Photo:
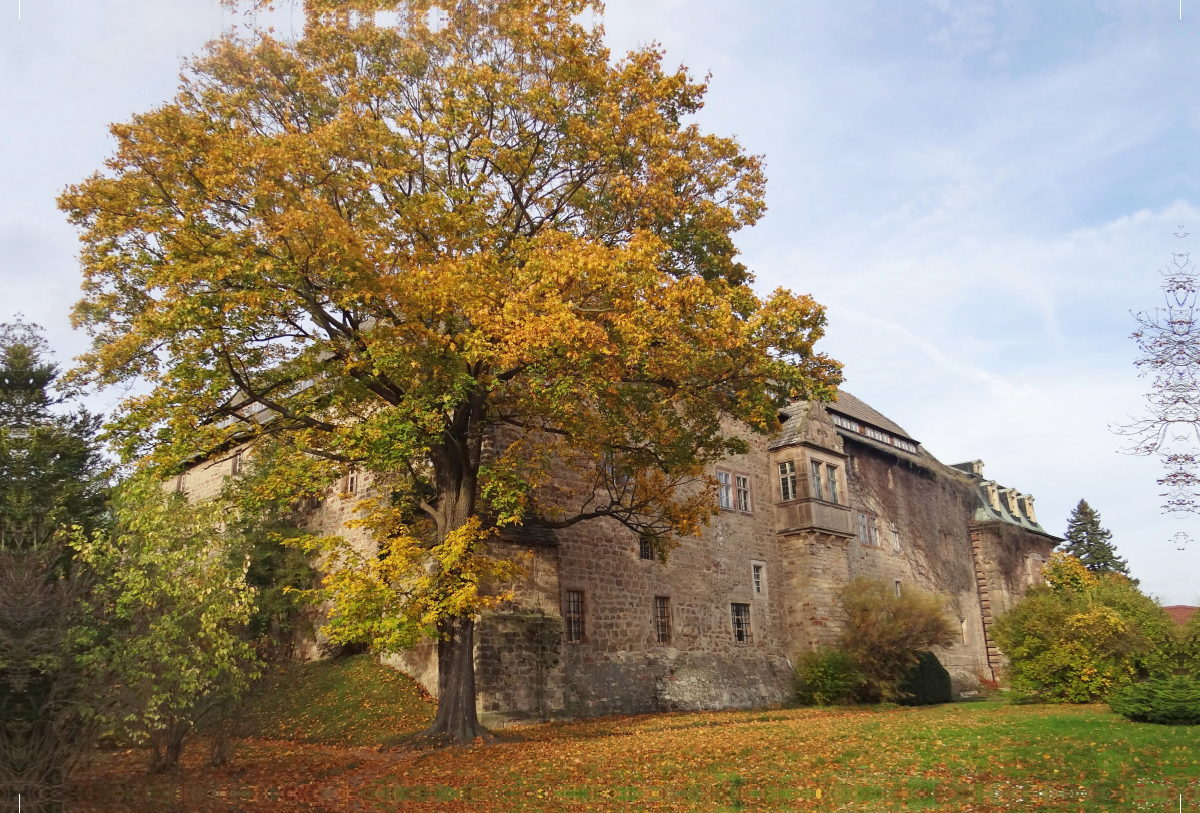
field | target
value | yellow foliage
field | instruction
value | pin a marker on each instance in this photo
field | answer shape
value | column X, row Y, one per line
column 1065, row 571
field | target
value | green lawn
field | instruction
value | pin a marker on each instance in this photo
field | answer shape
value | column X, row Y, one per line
column 970, row 756
column 981, row 756
column 352, row 701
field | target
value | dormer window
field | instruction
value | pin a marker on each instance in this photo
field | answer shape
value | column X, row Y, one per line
column 877, row 435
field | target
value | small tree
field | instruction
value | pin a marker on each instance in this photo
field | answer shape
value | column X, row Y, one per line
column 1090, row 544
column 886, row 633
column 167, row 617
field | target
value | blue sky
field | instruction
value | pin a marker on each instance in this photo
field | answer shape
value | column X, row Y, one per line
column 980, row 192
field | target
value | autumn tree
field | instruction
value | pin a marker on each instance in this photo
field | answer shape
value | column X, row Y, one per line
column 1091, row 544
column 448, row 258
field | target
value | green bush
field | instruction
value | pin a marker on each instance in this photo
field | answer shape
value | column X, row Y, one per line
column 886, row 633
column 828, row 677
column 927, row 683
column 1082, row 638
column 1189, row 645
column 1167, row 700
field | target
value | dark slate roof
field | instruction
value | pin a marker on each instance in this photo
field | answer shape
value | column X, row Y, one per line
column 851, row 407
column 793, row 428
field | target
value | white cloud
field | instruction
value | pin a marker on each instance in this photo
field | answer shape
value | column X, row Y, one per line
column 980, row 191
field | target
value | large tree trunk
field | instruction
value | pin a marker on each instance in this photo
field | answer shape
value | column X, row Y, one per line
column 456, row 720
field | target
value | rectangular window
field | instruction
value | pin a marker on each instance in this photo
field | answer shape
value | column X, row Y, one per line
column 831, row 482
column 873, row 527
column 862, row 528
column 757, row 571
column 895, row 537
column 741, row 623
column 724, row 490
column 574, row 618
column 646, row 549
column 897, row 588
column 662, row 619
column 816, row 480
column 181, row 483
column 787, row 480
column 352, row 482
column 743, row 493
column 235, row 464
column 963, row 624
column 845, row 423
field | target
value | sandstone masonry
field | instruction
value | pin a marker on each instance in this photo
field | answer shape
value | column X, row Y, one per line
column 595, row 628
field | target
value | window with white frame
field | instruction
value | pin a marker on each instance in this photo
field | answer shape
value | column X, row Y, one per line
column 816, row 479
column 787, row 481
column 845, row 423
column 831, row 485
column 742, row 492
column 758, row 578
column 862, row 528
column 873, row 528
column 725, row 490
column 895, row 537
column 897, row 588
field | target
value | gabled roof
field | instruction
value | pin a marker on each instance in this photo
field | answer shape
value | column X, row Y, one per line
column 846, row 404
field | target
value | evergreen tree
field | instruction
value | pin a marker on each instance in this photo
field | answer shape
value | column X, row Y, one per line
column 52, row 474
column 52, row 477
column 1091, row 544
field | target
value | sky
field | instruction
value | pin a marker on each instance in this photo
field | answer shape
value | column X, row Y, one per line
column 981, row 192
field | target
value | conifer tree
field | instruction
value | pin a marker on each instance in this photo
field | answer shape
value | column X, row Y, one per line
column 1091, row 544
column 52, row 478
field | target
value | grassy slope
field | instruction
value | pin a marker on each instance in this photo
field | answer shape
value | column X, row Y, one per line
column 352, row 701
column 985, row 757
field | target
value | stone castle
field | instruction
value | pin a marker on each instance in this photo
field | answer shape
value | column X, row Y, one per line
column 599, row 626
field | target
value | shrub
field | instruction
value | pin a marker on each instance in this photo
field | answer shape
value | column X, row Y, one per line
column 828, row 677
column 1189, row 645
column 1080, row 638
column 1167, row 700
column 165, row 624
column 927, row 683
column 886, row 633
